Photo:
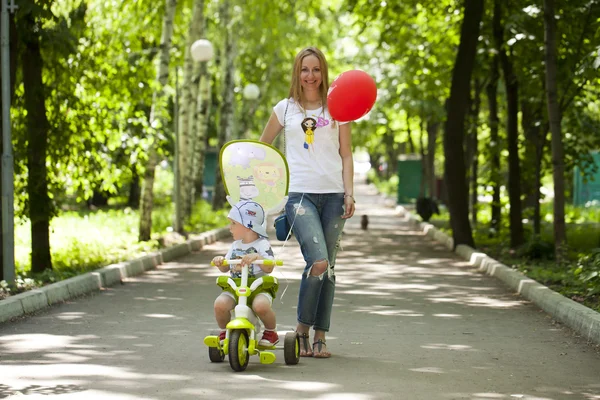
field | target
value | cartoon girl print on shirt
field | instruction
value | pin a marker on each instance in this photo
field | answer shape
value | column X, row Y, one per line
column 309, row 125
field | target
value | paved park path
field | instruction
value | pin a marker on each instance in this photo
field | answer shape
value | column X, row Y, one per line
column 411, row 321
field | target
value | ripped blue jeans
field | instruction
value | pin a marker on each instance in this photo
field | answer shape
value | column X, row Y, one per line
column 318, row 228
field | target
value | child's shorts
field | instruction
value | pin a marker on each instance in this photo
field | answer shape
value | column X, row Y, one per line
column 232, row 296
column 268, row 288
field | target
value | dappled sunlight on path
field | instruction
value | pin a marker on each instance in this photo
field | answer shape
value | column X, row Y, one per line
column 411, row 320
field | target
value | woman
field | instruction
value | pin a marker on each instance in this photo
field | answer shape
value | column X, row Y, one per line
column 319, row 155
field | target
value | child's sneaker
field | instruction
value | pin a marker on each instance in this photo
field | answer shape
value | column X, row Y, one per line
column 222, row 336
column 269, row 338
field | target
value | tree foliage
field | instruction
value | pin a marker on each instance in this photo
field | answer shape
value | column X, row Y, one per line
column 99, row 78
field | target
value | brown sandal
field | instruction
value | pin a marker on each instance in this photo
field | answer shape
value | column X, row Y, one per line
column 304, row 347
column 318, row 352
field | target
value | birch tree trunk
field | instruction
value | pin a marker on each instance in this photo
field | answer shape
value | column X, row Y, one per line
column 203, row 109
column 225, row 122
column 187, row 114
column 162, row 77
column 554, row 117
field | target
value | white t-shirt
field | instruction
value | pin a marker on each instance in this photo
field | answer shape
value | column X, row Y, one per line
column 312, row 148
column 239, row 249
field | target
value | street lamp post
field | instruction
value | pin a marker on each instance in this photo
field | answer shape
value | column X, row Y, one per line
column 8, row 217
column 251, row 92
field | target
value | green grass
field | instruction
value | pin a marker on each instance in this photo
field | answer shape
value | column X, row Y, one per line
column 84, row 241
column 87, row 240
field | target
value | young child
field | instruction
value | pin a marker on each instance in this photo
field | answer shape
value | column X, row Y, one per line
column 250, row 244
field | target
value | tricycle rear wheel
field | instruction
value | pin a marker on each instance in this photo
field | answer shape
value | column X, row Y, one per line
column 215, row 354
column 291, row 348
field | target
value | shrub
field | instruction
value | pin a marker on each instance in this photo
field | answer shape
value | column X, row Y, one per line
column 537, row 249
column 588, row 272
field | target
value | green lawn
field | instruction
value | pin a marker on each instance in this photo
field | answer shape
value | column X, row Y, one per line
column 84, row 241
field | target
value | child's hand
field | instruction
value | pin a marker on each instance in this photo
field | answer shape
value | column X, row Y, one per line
column 218, row 261
column 248, row 259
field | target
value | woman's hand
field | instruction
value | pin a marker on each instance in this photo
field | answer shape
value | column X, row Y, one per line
column 349, row 207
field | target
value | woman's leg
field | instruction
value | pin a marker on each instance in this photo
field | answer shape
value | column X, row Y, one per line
column 317, row 227
column 303, row 213
column 333, row 225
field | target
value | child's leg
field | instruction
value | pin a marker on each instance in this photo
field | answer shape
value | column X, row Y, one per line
column 262, row 307
column 223, row 306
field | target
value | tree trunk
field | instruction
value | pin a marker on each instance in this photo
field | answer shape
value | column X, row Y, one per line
column 454, row 165
column 162, row 77
column 554, row 117
column 494, row 145
column 473, row 150
column 424, row 156
column 133, row 200
column 389, row 138
column 225, row 122
column 532, row 127
column 202, row 119
column 409, row 140
column 37, row 143
column 512, row 131
column 187, row 114
column 432, row 132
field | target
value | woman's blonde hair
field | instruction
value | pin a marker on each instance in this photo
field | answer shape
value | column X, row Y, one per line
column 296, row 87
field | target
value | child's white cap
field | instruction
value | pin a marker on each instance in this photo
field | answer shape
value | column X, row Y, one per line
column 250, row 214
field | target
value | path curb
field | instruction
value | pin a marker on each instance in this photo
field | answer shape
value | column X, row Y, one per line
column 580, row 318
column 38, row 299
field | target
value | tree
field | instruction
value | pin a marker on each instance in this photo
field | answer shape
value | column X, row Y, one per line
column 227, row 68
column 37, row 135
column 162, row 77
column 455, row 171
column 188, row 114
column 494, row 145
column 554, row 117
column 512, row 130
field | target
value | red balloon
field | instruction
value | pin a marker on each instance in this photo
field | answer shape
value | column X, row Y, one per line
column 351, row 95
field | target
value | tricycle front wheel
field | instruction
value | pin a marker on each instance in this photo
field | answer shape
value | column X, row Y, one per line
column 238, row 350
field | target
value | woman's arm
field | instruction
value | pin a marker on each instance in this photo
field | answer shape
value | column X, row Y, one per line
column 347, row 168
column 271, row 130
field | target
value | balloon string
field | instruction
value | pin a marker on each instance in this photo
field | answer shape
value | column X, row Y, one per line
column 285, row 242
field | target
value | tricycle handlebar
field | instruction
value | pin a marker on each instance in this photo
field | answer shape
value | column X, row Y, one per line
column 259, row 262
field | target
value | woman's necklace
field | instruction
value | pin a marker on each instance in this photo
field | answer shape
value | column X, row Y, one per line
column 320, row 114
